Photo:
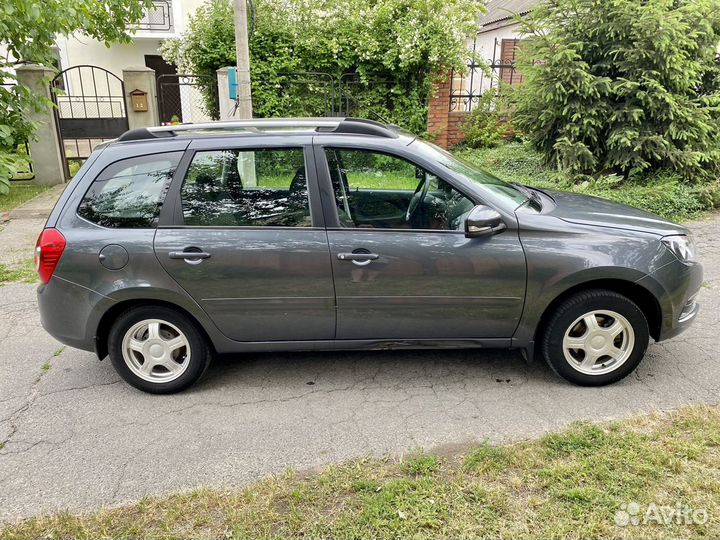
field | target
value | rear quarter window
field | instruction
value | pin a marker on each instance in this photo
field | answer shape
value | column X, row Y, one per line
column 129, row 193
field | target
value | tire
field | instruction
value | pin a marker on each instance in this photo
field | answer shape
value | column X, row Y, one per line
column 607, row 350
column 158, row 350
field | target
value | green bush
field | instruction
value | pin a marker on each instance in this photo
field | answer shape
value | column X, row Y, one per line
column 386, row 53
column 623, row 86
column 663, row 193
column 485, row 126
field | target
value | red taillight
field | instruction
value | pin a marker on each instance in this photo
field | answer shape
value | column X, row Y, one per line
column 48, row 250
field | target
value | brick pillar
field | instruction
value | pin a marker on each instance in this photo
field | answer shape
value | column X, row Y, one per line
column 228, row 111
column 45, row 150
column 439, row 111
column 141, row 78
column 456, row 119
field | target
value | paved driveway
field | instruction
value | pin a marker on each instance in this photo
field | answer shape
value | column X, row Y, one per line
column 76, row 437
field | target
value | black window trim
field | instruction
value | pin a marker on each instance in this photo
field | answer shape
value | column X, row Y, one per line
column 328, row 196
column 173, row 217
column 162, row 201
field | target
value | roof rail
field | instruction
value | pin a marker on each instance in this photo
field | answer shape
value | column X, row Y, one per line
column 358, row 126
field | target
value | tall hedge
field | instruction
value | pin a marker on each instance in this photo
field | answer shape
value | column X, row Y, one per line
column 391, row 50
column 625, row 86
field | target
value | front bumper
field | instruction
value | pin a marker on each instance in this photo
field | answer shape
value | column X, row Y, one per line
column 683, row 322
column 676, row 286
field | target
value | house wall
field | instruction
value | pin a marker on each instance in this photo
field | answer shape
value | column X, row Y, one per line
column 77, row 50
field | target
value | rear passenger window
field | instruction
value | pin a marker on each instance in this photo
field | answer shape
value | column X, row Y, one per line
column 129, row 193
column 261, row 188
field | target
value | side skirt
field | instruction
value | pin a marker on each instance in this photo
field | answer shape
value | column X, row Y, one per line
column 366, row 344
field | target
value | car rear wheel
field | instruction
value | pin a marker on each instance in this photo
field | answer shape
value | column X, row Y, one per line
column 157, row 349
column 595, row 338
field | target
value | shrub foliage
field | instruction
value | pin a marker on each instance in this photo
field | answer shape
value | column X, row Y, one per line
column 623, row 86
column 486, row 126
column 386, row 53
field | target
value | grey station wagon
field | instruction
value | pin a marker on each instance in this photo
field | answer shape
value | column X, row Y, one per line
column 173, row 244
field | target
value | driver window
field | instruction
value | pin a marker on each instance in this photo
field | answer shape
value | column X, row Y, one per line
column 379, row 191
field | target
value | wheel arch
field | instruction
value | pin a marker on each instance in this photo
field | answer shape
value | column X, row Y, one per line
column 644, row 298
column 109, row 317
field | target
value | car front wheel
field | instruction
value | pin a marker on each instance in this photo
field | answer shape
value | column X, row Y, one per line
column 595, row 337
column 157, row 349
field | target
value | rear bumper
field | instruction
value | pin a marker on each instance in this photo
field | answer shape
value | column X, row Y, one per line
column 68, row 311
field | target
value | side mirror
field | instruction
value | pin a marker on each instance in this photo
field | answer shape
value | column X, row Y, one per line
column 483, row 221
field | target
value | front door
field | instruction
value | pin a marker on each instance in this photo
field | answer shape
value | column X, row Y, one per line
column 247, row 242
column 402, row 265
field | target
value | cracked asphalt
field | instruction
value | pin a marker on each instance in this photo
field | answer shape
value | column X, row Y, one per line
column 76, row 437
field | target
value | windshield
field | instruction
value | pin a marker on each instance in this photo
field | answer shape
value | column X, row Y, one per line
column 474, row 174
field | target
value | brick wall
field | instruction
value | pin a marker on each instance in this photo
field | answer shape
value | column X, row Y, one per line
column 443, row 123
column 439, row 111
column 455, row 122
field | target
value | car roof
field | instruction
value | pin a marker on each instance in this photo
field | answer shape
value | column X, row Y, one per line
column 287, row 127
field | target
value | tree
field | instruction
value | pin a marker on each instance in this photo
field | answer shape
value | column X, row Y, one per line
column 623, row 86
column 28, row 29
column 392, row 49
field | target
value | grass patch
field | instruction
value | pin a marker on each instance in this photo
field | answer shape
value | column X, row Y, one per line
column 419, row 463
column 43, row 371
column 486, row 458
column 19, row 194
column 564, row 485
column 663, row 194
column 24, row 273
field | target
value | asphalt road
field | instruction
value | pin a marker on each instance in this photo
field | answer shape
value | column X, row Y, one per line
column 76, row 437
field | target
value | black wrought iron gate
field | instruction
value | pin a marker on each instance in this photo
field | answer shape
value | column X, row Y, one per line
column 186, row 98
column 89, row 109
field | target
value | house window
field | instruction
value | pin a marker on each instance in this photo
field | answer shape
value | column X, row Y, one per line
column 509, row 49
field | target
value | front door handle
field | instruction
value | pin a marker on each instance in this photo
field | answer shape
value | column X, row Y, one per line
column 359, row 259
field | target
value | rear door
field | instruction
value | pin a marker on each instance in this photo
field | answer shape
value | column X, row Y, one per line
column 243, row 233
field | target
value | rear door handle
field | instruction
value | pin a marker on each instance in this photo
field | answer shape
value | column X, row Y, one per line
column 190, row 257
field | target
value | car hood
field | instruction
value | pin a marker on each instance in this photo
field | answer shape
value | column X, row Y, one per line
column 588, row 210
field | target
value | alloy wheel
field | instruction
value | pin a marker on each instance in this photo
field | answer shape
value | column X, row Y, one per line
column 598, row 342
column 156, row 350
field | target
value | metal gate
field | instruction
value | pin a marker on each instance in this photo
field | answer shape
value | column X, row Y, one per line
column 184, row 98
column 468, row 87
column 89, row 109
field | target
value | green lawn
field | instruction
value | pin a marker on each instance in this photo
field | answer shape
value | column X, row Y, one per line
column 20, row 192
column 570, row 484
column 385, row 180
column 23, row 273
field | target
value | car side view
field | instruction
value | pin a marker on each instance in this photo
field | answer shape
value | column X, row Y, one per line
column 177, row 243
